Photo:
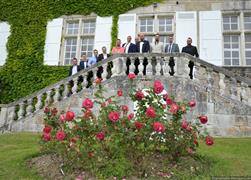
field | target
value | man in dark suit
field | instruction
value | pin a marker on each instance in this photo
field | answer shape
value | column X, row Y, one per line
column 74, row 68
column 101, row 57
column 143, row 46
column 129, row 48
column 83, row 62
column 192, row 50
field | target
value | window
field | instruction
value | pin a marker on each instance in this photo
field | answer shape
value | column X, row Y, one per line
column 247, row 22
column 230, row 22
column 146, row 24
column 248, row 48
column 231, row 49
column 78, row 39
column 165, row 24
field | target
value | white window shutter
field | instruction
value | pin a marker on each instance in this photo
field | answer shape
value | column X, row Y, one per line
column 211, row 37
column 126, row 27
column 103, row 33
column 53, row 42
column 4, row 34
column 186, row 26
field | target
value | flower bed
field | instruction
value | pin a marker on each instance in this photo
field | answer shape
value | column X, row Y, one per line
column 119, row 143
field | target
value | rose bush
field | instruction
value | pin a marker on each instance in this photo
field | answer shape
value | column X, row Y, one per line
column 115, row 140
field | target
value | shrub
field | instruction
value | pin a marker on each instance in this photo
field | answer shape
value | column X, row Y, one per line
column 116, row 142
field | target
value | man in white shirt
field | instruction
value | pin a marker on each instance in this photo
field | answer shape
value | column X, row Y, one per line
column 129, row 46
column 83, row 62
column 102, row 56
column 157, row 46
column 74, row 68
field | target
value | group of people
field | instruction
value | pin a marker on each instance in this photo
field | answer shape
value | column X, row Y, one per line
column 141, row 45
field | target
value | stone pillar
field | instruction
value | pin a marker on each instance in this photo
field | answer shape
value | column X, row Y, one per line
column 141, row 66
column 182, row 67
column 132, row 66
column 3, row 116
column 29, row 107
column 158, row 65
column 39, row 103
column 149, row 68
column 75, row 85
column 21, row 110
column 57, row 95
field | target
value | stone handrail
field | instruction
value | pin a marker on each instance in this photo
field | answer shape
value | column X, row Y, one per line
column 237, row 87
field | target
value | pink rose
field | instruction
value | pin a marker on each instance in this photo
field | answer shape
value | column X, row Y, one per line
column 69, row 116
column 113, row 116
column 184, row 124
column 60, row 135
column 87, row 103
column 120, row 92
column 61, row 118
column 46, row 109
column 46, row 137
column 158, row 127
column 158, row 87
column 100, row 136
column 169, row 101
column 150, row 112
column 139, row 95
column 131, row 76
column 174, row 108
column 124, row 108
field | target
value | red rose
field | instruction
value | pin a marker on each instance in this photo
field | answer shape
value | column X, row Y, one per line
column 163, row 106
column 169, row 101
column 87, row 103
column 46, row 109
column 113, row 116
column 158, row 127
column 125, row 108
column 61, row 118
column 195, row 141
column 209, row 140
column 46, row 137
column 192, row 103
column 150, row 112
column 47, row 129
column 100, row 136
column 138, row 125
column 184, row 124
column 69, row 116
column 158, row 87
column 120, row 92
column 131, row 76
column 139, row 95
column 130, row 116
column 174, row 108
column 203, row 119
column 60, row 135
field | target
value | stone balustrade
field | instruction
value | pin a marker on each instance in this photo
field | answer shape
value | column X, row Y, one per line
column 204, row 74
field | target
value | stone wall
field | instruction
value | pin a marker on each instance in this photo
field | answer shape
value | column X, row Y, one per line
column 240, row 70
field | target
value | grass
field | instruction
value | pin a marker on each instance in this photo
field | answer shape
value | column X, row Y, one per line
column 231, row 156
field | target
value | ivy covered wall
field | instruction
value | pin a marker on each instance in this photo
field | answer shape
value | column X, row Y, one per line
column 24, row 72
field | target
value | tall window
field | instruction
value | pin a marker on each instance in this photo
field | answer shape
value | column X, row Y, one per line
column 248, row 48
column 231, row 49
column 247, row 22
column 78, row 39
column 161, row 24
column 231, row 39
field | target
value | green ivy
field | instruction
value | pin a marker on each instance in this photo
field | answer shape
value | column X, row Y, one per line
column 24, row 72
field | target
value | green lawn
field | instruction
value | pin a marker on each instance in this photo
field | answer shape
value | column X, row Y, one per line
column 232, row 157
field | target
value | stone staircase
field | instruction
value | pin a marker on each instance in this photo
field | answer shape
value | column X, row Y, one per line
column 222, row 95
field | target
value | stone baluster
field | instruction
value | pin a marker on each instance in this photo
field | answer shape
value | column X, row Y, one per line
column 115, row 67
column 158, row 66
column 105, row 73
column 39, row 103
column 141, row 66
column 3, row 116
column 57, row 96
column 66, row 91
column 29, row 107
column 132, row 66
column 182, row 67
column 166, row 67
column 11, row 116
column 75, row 85
column 48, row 97
column 85, row 75
column 21, row 110
column 149, row 67
column 222, row 84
